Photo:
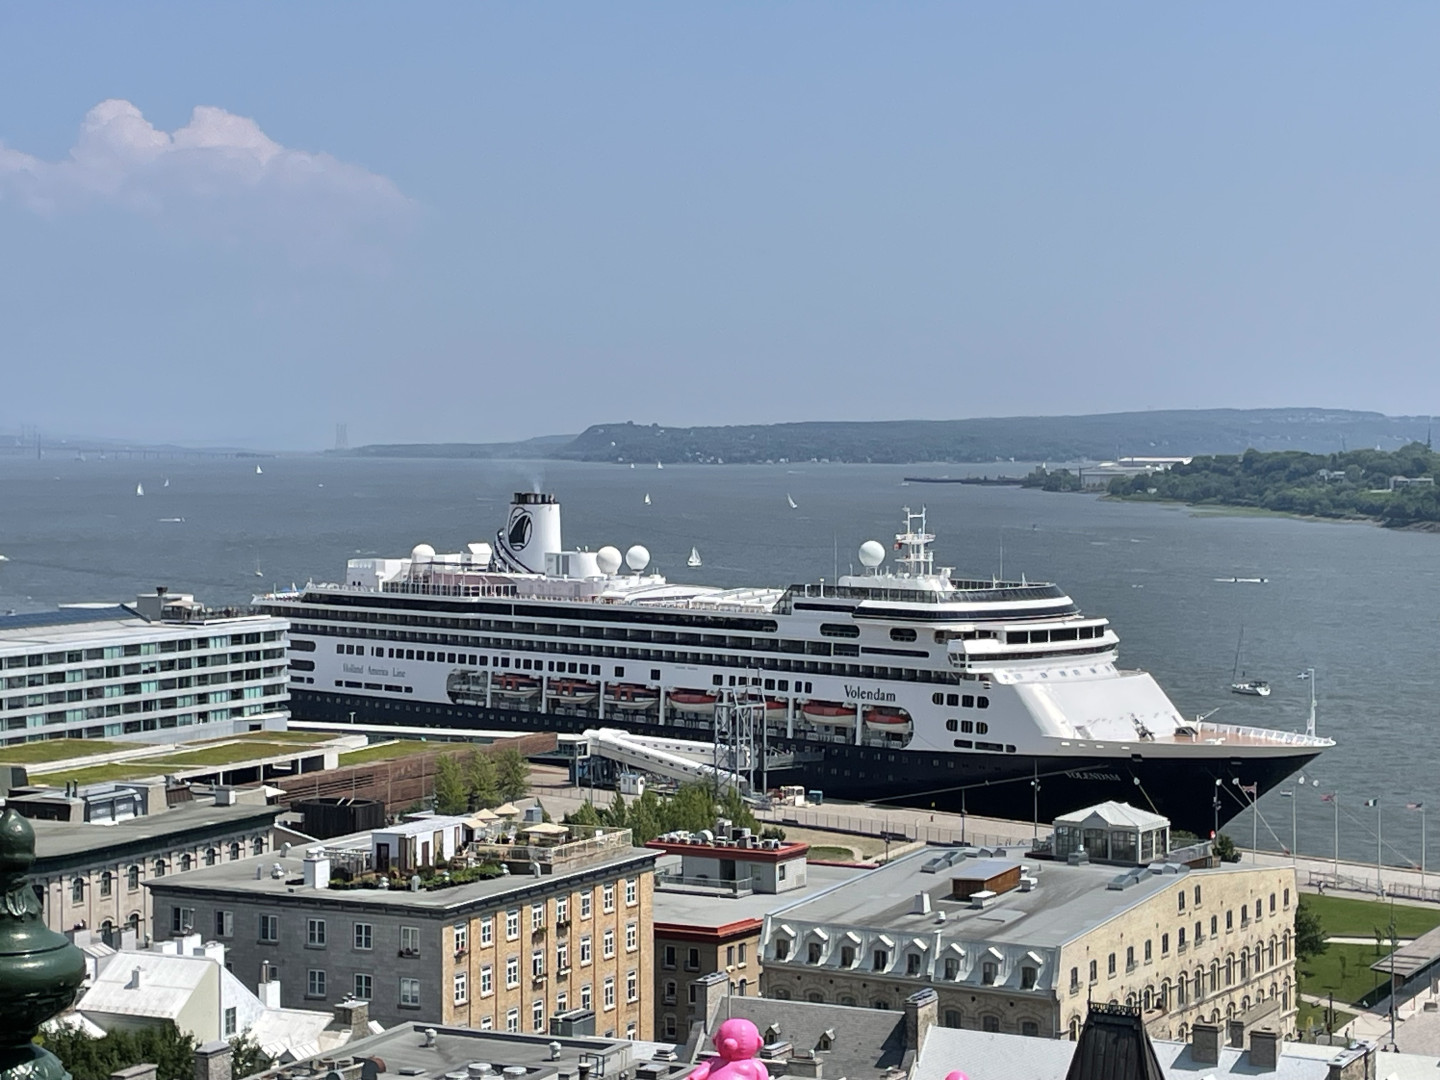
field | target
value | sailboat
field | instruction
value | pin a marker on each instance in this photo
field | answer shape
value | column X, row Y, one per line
column 167, row 482
column 139, row 489
column 791, row 501
column 259, row 471
column 694, row 559
column 647, row 498
column 258, row 571
column 1238, row 683
column 659, row 464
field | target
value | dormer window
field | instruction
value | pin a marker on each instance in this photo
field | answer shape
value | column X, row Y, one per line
column 826, row 1040
column 881, row 960
column 847, row 956
column 782, row 949
column 1028, row 977
column 989, row 971
column 913, row 963
column 814, row 952
column 952, row 968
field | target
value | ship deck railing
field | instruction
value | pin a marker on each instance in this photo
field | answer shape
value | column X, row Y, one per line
column 1207, row 732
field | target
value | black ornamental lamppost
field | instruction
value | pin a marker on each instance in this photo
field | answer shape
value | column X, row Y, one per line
column 40, row 970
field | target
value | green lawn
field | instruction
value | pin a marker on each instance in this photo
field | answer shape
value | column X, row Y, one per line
column 96, row 774
column 391, row 750
column 226, row 754
column 1344, row 917
column 1342, row 970
column 59, row 750
column 831, row 852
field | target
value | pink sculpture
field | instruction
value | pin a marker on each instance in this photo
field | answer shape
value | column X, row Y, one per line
column 956, row 1076
column 737, row 1042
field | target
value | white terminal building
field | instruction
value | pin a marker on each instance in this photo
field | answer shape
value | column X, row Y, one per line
column 164, row 668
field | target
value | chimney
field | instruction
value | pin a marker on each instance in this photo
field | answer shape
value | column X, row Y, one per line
column 713, row 989
column 354, row 1015
column 805, row 1063
column 921, row 1012
column 1205, row 1043
column 1235, row 1030
column 134, row 979
column 269, row 993
column 921, row 904
column 317, row 869
column 1265, row 1049
column 212, row 1061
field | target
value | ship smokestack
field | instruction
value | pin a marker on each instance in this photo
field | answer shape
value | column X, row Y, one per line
column 531, row 532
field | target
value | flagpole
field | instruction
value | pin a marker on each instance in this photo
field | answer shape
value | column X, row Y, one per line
column 1379, row 844
column 1335, row 802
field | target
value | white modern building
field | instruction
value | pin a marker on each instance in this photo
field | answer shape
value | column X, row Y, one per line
column 161, row 669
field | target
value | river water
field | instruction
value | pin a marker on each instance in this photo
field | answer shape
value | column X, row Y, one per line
column 1355, row 602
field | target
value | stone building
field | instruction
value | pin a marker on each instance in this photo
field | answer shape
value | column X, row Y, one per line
column 711, row 899
column 565, row 928
column 93, row 876
column 1021, row 944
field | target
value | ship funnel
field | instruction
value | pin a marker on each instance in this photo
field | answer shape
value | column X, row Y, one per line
column 531, row 532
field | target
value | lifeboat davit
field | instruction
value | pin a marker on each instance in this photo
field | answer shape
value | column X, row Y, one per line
column 829, row 712
column 574, row 692
column 631, row 696
column 516, row 687
column 887, row 721
column 693, row 702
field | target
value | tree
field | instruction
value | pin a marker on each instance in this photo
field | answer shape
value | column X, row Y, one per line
column 1309, row 933
column 247, row 1058
column 1224, row 849
column 482, row 780
column 512, row 773
column 586, row 815
column 88, row 1058
column 450, row 794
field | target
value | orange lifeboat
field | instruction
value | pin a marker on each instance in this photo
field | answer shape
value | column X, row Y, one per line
column 574, row 692
column 631, row 696
column 829, row 712
column 516, row 687
column 693, row 702
column 887, row 721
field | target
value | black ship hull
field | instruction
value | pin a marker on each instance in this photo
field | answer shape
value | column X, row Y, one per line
column 1196, row 795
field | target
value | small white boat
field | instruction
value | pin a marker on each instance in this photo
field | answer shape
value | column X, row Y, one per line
column 4, row 558
column 167, row 482
column 259, row 471
column 791, row 501
column 659, row 464
column 139, row 489
column 171, row 521
column 647, row 498
column 694, row 559
column 1241, row 685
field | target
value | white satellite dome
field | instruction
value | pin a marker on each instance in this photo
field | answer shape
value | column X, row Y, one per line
column 421, row 552
column 872, row 553
column 608, row 559
column 637, row 558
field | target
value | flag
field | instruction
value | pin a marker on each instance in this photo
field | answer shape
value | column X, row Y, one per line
column 1414, row 805
column 1303, row 675
column 1372, row 802
column 1250, row 789
column 1327, row 798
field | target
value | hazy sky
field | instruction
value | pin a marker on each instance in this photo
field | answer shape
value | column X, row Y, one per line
column 244, row 223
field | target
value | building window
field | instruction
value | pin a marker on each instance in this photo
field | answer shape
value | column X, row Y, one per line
column 182, row 920
column 1074, row 979
column 132, row 878
column 913, row 962
column 1197, row 895
column 814, row 952
column 462, row 987
column 1181, row 898
column 607, row 898
column 315, row 932
column 632, row 986
column 1130, row 958
column 585, row 950
column 224, row 924
column 668, row 957
column 881, row 960
column 782, row 949
column 742, row 952
column 462, row 939
column 951, row 1018
column 257, row 846
column 562, row 912
column 609, row 998
column 632, row 937
column 989, row 971
column 270, row 928
column 512, row 972
column 586, row 998
column 315, row 983
column 211, row 856
column 512, row 924
column 107, row 883
column 1028, row 977
column 77, row 891
column 230, row 1022
column 537, row 917
column 632, row 891
column 512, row 1022
column 410, row 993
column 668, row 993
column 487, row 932
column 537, row 964
column 562, row 959
column 364, row 987
column 587, row 901
column 186, row 862
column 409, row 941
column 234, row 850
column 1110, row 965
column 1029, row 1027
column 607, row 943
column 1094, row 971
column 990, row 1023
column 364, row 935
column 1164, row 944
column 692, row 959
column 1147, row 950
column 487, row 981
column 537, row 1015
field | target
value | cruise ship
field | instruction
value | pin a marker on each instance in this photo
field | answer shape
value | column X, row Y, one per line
column 903, row 684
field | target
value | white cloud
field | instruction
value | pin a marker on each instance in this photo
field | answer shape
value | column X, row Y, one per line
column 219, row 173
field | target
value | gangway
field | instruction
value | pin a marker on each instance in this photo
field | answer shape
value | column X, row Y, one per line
column 639, row 753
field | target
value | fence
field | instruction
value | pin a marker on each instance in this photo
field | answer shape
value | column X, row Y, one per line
column 803, row 817
column 1322, row 880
